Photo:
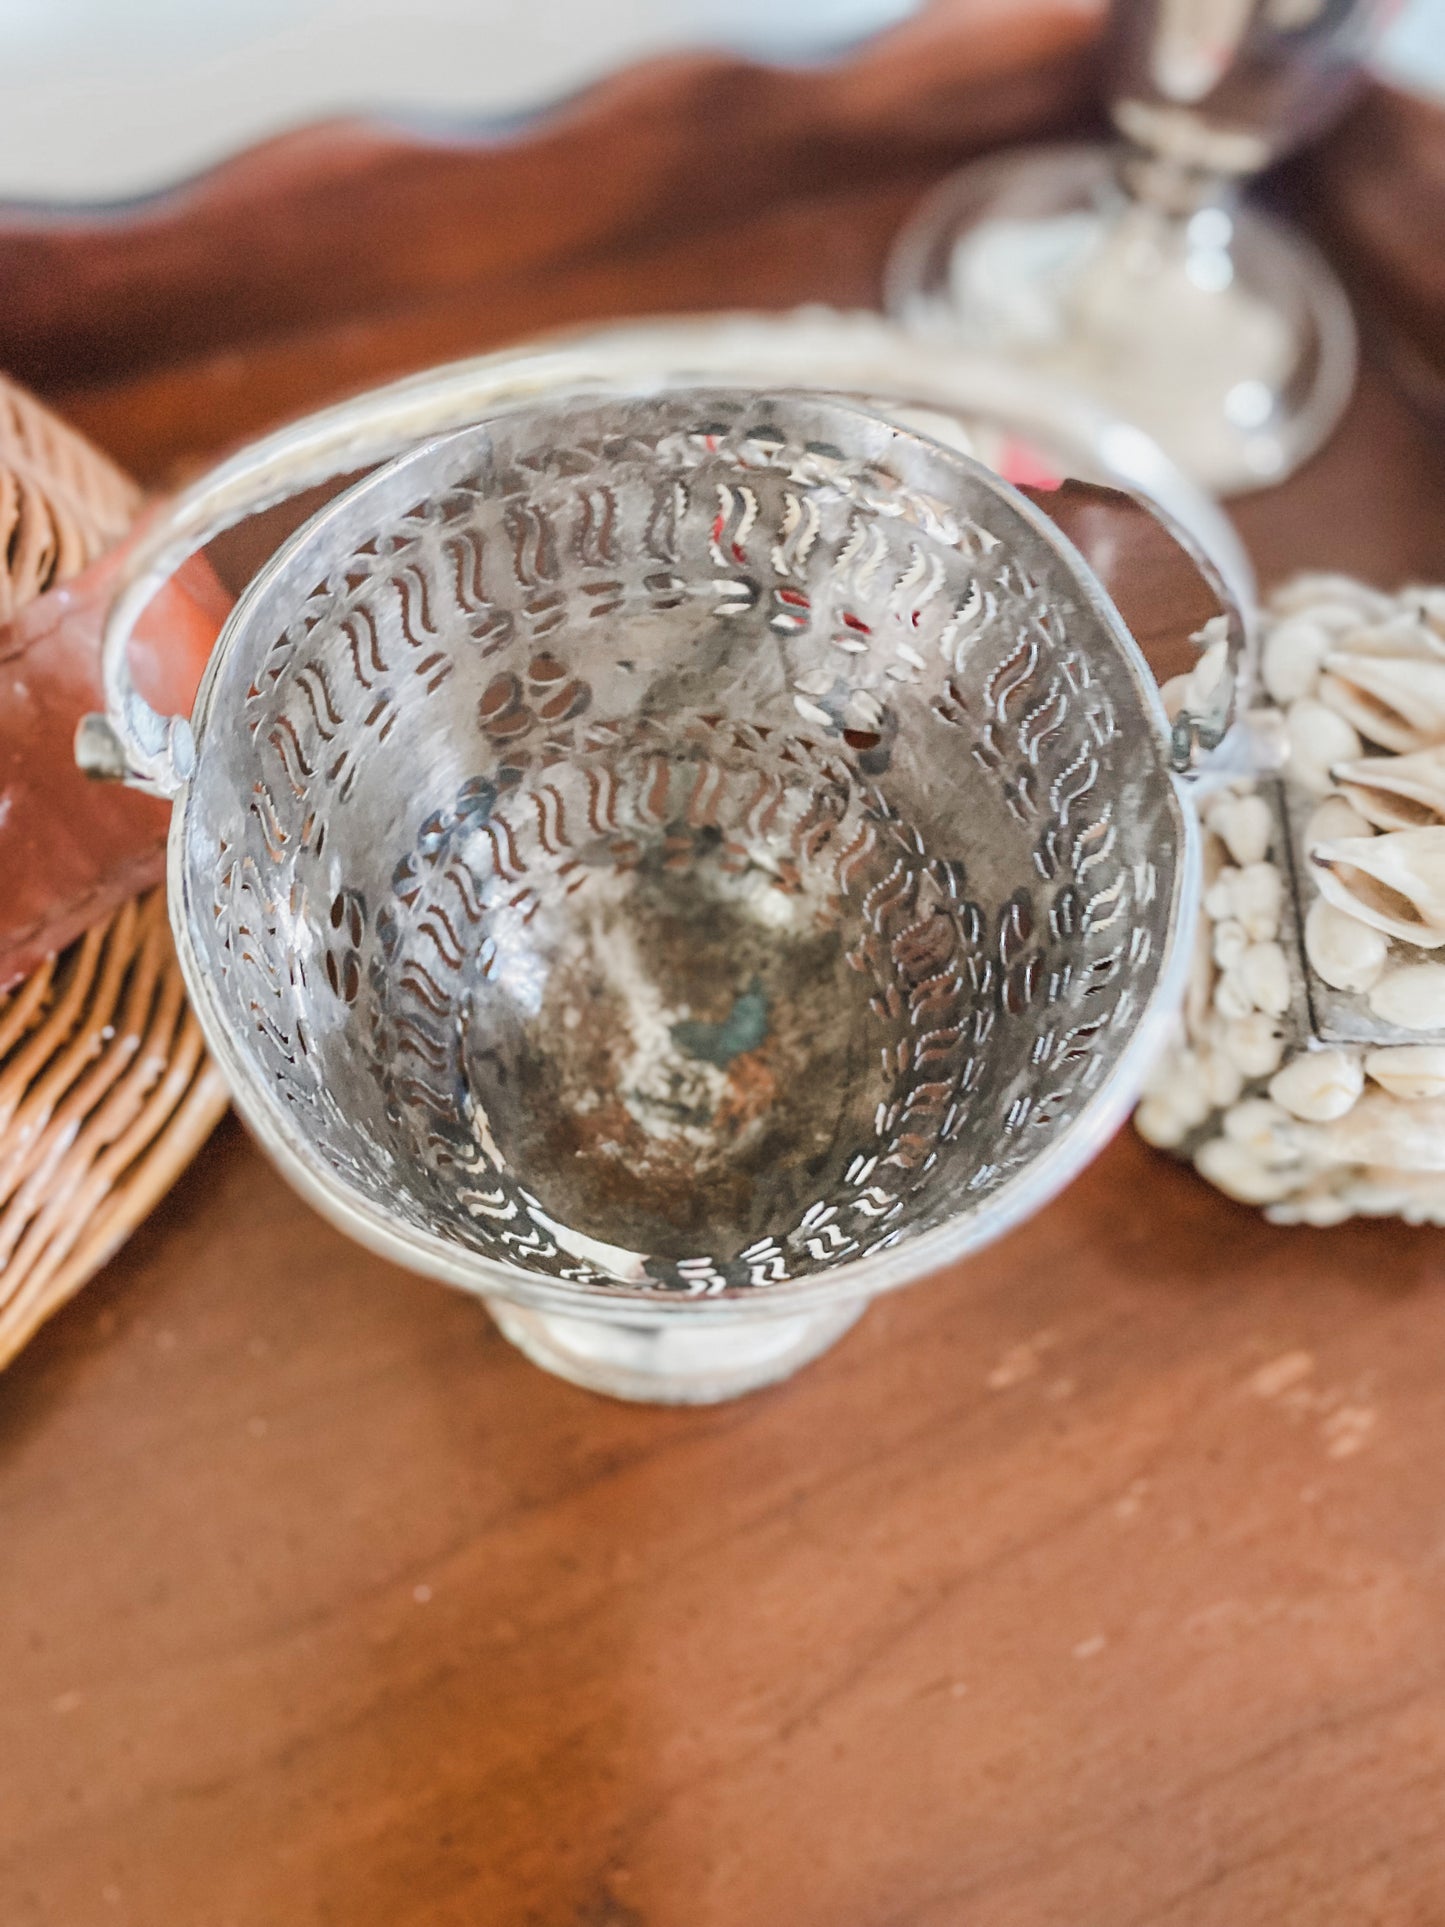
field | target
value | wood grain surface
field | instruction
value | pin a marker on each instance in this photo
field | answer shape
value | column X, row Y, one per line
column 1100, row 1583
column 1380, row 191
column 350, row 219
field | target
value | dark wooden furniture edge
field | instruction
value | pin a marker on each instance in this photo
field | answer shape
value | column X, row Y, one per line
column 352, row 217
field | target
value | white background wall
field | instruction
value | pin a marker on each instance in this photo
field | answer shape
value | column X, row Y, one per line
column 104, row 99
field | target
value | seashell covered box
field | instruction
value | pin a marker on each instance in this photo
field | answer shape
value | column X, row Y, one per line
column 1307, row 1073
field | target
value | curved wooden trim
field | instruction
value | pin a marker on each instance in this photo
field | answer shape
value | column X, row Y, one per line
column 353, row 217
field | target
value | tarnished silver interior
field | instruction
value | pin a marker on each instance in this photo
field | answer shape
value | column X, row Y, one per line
column 685, row 844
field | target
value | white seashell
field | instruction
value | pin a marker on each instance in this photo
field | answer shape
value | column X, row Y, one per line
column 1264, row 975
column 1187, row 1096
column 1348, row 602
column 1319, row 1204
column 1246, row 825
column 1395, row 701
column 1429, row 604
column 1215, row 803
column 1219, row 796
column 1411, row 996
column 1334, row 818
column 1223, row 1080
column 1213, row 644
column 1159, row 1124
column 1162, row 1075
column 1417, row 1195
column 1219, row 897
column 1264, row 1128
column 1354, row 672
column 1256, row 896
column 1254, row 1044
column 1397, row 792
column 1174, row 694
column 1231, row 940
column 1241, row 1174
column 1215, row 858
column 1375, row 1194
column 1409, row 1071
column 1199, row 993
column 1343, row 621
column 1194, row 690
column 1319, row 1085
column 1318, row 738
column 1294, row 651
column 1383, row 1200
column 1381, row 1130
column 1399, row 634
column 1347, row 954
column 1232, row 998
column 1395, row 882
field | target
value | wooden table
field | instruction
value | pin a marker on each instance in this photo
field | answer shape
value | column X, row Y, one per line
column 1098, row 1584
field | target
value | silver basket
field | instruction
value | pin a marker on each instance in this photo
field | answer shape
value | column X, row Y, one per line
column 677, row 865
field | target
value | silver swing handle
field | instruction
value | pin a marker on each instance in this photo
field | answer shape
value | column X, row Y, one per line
column 1222, row 737
column 856, row 354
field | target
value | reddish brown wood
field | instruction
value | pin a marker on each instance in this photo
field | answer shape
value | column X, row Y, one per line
column 72, row 850
column 163, row 422
column 1099, row 1582
column 1381, row 207
column 351, row 219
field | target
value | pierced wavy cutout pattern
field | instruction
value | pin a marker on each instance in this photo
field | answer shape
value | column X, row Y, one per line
column 478, row 722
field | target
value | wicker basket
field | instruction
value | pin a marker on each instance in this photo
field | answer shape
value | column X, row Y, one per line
column 106, row 1092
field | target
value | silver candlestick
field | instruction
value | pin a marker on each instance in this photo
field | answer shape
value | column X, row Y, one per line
column 1136, row 272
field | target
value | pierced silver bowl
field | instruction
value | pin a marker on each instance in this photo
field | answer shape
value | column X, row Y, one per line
column 677, row 865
